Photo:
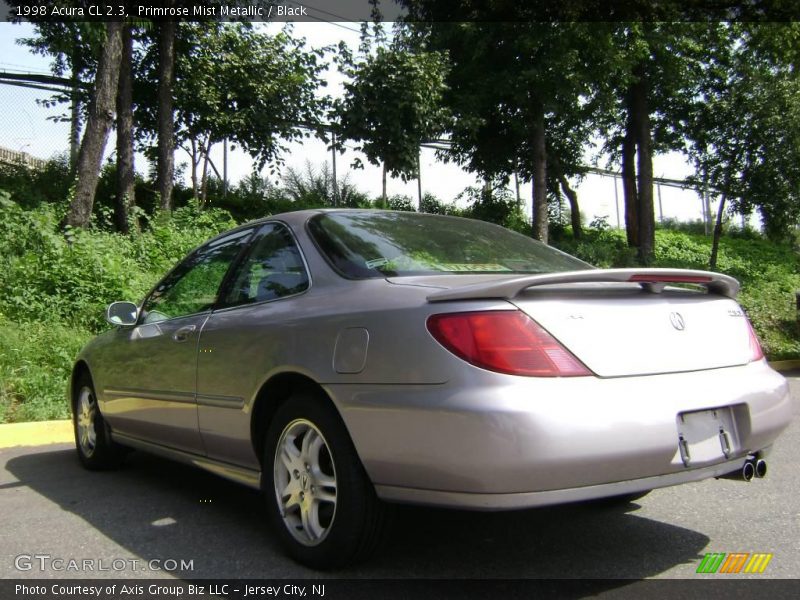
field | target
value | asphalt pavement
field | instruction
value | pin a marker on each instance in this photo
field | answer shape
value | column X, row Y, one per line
column 155, row 518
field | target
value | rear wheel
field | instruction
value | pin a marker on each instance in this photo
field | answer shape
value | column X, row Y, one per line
column 96, row 451
column 321, row 503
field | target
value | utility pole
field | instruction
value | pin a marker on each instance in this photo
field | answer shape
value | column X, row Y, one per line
column 225, row 168
column 419, row 180
column 333, row 160
column 660, row 207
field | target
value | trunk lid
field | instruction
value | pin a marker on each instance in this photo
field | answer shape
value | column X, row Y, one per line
column 630, row 332
column 621, row 322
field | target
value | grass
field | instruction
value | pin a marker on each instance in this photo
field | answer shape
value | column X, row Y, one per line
column 36, row 359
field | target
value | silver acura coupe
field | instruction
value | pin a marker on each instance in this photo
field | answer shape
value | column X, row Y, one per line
column 340, row 360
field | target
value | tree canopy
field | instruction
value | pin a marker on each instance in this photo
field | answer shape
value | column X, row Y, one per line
column 502, row 94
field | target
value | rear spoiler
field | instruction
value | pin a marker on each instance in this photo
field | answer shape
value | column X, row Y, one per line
column 652, row 280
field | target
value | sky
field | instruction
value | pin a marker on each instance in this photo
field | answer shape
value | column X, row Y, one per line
column 24, row 127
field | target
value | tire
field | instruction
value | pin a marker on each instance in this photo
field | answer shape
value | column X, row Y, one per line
column 320, row 501
column 96, row 450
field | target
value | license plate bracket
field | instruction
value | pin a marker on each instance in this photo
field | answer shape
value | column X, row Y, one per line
column 707, row 436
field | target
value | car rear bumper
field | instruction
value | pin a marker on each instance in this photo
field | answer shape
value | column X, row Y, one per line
column 500, row 441
column 490, row 502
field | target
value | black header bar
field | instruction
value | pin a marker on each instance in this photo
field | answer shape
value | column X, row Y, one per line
column 393, row 10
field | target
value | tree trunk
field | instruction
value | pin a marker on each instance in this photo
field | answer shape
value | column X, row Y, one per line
column 125, row 167
column 712, row 263
column 540, row 221
column 204, row 176
column 166, row 125
column 644, row 146
column 74, row 122
column 195, row 161
column 629, row 183
column 101, row 117
column 574, row 209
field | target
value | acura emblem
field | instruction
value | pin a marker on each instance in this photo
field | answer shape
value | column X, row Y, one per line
column 677, row 321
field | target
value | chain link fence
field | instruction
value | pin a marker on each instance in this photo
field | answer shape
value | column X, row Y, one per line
column 31, row 132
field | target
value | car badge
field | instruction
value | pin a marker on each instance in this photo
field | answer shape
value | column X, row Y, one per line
column 677, row 321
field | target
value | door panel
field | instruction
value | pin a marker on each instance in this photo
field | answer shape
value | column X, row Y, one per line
column 239, row 341
column 150, row 385
column 151, row 393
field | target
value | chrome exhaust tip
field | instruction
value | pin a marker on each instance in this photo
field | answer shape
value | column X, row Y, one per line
column 761, row 468
column 748, row 471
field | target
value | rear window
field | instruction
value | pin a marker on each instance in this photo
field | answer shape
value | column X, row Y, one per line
column 365, row 244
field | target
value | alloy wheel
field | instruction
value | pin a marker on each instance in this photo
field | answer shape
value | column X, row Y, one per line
column 305, row 482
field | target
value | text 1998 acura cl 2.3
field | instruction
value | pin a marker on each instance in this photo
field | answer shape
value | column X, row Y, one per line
column 339, row 359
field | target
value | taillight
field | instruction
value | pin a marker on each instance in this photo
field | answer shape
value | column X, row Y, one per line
column 756, row 353
column 507, row 341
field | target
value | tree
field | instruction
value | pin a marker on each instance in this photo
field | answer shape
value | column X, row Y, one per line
column 126, row 174
column 567, row 137
column 101, row 117
column 511, row 81
column 652, row 73
column 392, row 104
column 75, row 48
column 744, row 129
column 233, row 82
column 166, row 127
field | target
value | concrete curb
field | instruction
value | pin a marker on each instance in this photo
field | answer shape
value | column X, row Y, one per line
column 785, row 365
column 37, row 433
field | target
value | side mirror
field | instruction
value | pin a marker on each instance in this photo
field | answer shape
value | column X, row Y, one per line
column 122, row 313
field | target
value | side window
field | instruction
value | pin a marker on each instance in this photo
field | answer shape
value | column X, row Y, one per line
column 273, row 268
column 193, row 286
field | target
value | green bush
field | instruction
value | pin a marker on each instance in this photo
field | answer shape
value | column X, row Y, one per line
column 35, row 363
column 31, row 187
column 605, row 248
column 54, row 288
column 70, row 278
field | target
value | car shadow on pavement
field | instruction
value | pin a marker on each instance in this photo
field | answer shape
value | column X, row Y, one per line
column 155, row 509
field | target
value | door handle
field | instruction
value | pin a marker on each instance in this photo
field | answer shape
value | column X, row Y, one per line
column 182, row 334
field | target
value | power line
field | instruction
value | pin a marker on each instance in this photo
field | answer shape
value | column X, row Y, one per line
column 322, row 20
column 324, row 12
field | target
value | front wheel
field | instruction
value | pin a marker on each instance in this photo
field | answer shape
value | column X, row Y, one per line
column 320, row 500
column 96, row 450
